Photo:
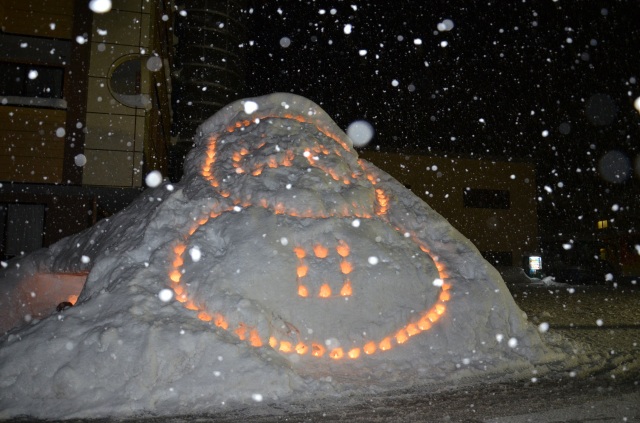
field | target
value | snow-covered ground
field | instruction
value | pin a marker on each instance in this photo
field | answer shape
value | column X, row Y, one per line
column 603, row 320
column 606, row 389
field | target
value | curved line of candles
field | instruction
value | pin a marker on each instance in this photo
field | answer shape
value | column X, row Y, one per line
column 315, row 349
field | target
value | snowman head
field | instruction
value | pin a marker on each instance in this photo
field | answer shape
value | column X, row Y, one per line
column 290, row 158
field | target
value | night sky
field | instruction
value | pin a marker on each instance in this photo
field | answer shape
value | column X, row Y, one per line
column 548, row 82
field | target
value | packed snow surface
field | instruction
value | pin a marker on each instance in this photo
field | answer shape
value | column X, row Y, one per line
column 281, row 267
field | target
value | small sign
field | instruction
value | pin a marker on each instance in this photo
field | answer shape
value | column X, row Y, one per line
column 535, row 262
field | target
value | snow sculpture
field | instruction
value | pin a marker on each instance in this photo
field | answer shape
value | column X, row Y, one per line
column 284, row 173
column 296, row 270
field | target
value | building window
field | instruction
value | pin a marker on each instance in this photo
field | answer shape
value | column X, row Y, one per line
column 486, row 198
column 125, row 82
column 603, row 224
column 32, row 85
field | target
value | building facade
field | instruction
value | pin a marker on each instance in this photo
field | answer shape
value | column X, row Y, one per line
column 91, row 102
column 84, row 113
column 493, row 203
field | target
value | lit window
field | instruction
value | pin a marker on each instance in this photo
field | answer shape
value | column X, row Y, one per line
column 603, row 224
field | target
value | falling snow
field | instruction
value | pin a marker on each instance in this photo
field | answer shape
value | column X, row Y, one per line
column 233, row 282
column 100, row 6
column 153, row 178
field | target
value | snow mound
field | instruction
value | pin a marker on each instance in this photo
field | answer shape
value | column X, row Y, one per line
column 297, row 270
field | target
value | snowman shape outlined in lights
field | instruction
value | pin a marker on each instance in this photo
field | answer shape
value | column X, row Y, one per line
column 299, row 179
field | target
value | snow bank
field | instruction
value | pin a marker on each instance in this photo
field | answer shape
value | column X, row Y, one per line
column 295, row 271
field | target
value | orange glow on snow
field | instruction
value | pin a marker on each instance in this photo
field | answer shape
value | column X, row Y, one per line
column 315, row 156
column 285, row 346
column 254, row 338
column 336, row 353
column 369, row 348
column 320, row 251
column 385, row 344
column 412, row 329
column 273, row 342
column 354, row 353
column 204, row 316
column 424, row 323
column 303, row 291
column 317, row 350
column 445, row 296
column 241, row 331
column 383, row 202
column 402, row 336
column 345, row 267
column 302, row 270
column 346, row 290
column 325, row 291
column 301, row 348
column 299, row 252
column 342, row 248
column 220, row 321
